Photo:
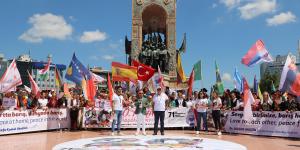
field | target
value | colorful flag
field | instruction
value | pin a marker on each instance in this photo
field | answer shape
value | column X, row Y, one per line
column 290, row 78
column 144, row 72
column 238, row 80
column 190, row 83
column 122, row 72
column 58, row 80
column 66, row 90
column 34, row 87
column 259, row 94
column 80, row 75
column 183, row 45
column 256, row 54
column 43, row 73
column 219, row 84
column 255, row 85
column 181, row 78
column 248, row 100
column 11, row 78
column 76, row 71
column 110, row 90
column 198, row 71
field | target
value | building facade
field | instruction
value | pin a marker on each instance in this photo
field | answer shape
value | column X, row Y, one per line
column 25, row 64
column 276, row 66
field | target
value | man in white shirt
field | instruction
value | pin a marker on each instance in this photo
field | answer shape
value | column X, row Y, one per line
column 159, row 107
column 117, row 108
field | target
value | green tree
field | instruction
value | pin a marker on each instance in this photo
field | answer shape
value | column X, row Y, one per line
column 266, row 81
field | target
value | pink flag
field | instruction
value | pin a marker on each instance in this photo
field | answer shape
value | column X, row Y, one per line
column 248, row 100
column 11, row 78
column 34, row 87
column 161, row 78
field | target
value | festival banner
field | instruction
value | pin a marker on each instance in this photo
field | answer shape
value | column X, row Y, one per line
column 266, row 123
column 15, row 121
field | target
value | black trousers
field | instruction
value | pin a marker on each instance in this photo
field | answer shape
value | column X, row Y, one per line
column 216, row 114
column 159, row 116
column 74, row 117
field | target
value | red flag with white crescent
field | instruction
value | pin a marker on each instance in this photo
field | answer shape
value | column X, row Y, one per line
column 144, row 72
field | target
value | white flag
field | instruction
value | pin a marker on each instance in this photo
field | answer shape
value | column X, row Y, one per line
column 11, row 78
column 97, row 78
column 248, row 100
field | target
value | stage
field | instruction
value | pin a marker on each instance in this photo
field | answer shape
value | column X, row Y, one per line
column 173, row 139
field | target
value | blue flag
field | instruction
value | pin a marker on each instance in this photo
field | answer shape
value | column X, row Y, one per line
column 238, row 80
column 76, row 71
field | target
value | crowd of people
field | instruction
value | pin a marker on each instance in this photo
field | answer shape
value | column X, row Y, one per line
column 200, row 101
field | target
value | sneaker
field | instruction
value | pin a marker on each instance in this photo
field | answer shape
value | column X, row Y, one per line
column 197, row 132
column 219, row 133
column 136, row 133
column 112, row 134
column 144, row 133
column 206, row 132
column 154, row 134
column 162, row 133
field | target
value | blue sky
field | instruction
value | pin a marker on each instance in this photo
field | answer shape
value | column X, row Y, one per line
column 221, row 30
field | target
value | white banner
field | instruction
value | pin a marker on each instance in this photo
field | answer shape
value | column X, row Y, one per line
column 265, row 123
column 15, row 121
column 176, row 117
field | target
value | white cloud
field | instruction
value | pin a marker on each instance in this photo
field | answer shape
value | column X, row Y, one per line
column 92, row 36
column 230, row 3
column 256, row 8
column 280, row 19
column 226, row 77
column 46, row 26
column 108, row 57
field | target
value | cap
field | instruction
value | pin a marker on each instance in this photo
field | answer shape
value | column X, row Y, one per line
column 158, row 87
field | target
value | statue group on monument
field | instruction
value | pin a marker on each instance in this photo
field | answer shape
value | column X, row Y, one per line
column 154, row 51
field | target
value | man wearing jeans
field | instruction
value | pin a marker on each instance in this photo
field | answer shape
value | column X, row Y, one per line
column 159, row 107
column 117, row 108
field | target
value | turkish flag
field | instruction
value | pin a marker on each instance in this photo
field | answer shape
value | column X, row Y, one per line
column 144, row 72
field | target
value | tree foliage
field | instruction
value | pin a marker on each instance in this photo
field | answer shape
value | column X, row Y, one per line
column 266, row 81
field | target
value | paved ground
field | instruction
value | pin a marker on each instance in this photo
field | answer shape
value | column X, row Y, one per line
column 46, row 140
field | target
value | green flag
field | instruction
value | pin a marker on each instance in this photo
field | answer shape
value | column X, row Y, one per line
column 219, row 84
column 198, row 71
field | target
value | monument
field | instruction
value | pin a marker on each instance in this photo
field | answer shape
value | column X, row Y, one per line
column 153, row 37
